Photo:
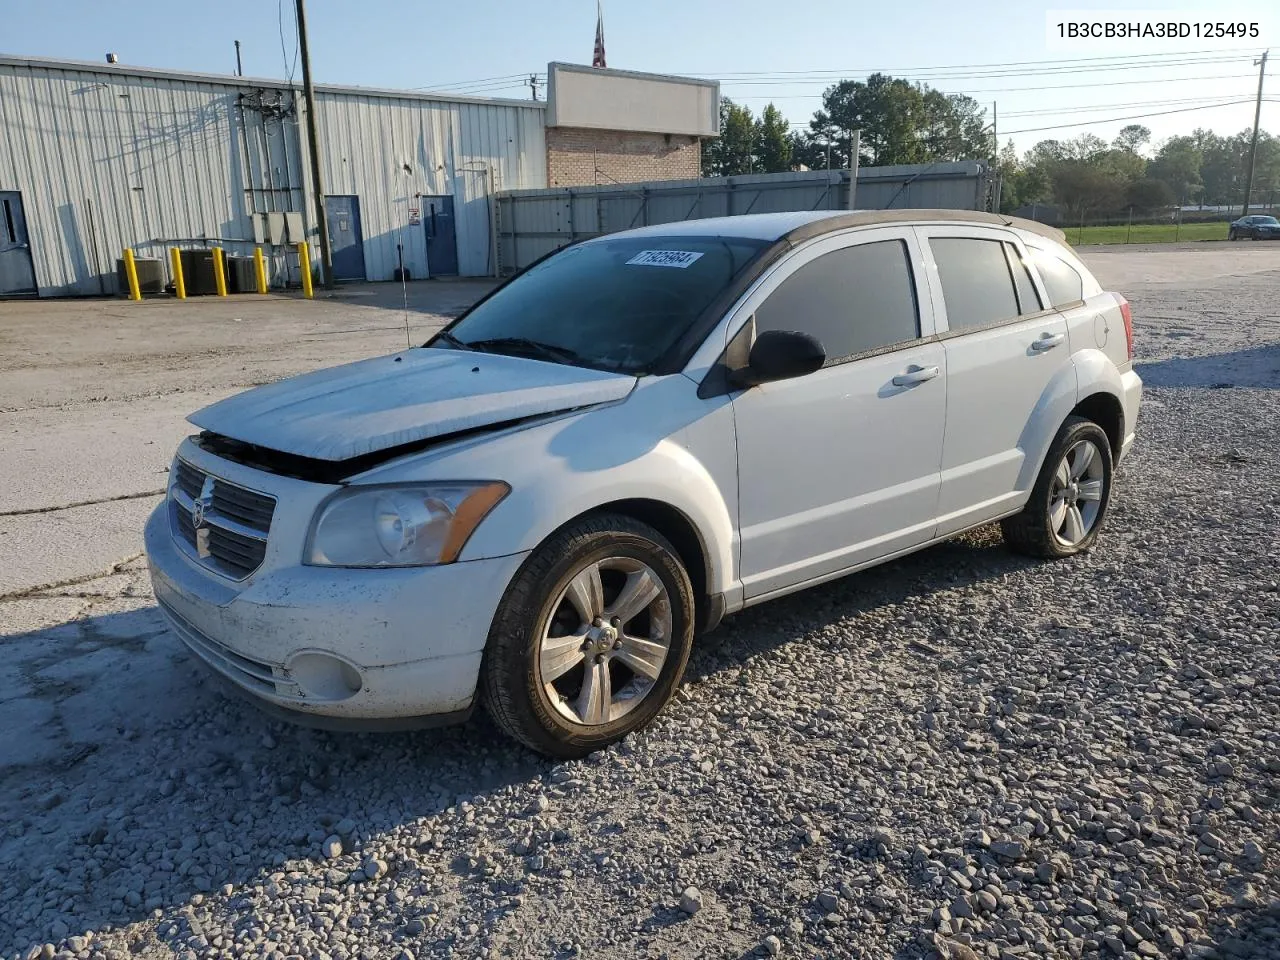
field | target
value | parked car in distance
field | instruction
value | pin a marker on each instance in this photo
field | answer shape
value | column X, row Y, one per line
column 634, row 437
column 1254, row 227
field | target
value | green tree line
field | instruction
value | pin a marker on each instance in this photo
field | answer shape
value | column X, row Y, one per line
column 1085, row 177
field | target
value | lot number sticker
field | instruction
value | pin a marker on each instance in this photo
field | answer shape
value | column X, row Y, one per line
column 664, row 258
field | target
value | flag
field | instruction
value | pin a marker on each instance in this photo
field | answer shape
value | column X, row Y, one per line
column 598, row 59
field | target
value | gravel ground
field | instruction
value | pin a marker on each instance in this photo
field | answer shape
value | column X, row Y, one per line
column 961, row 753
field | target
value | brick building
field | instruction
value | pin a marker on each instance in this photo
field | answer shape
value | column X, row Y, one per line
column 617, row 126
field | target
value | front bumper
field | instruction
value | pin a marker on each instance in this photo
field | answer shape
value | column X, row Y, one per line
column 343, row 647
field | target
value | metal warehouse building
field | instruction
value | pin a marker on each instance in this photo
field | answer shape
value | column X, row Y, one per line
column 95, row 158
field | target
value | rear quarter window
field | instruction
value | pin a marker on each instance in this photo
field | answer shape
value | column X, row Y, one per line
column 1062, row 282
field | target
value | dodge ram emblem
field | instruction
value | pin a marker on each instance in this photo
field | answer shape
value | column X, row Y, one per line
column 202, row 503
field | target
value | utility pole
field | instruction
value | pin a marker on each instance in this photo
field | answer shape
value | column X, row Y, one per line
column 239, row 68
column 1253, row 149
column 995, row 137
column 855, row 146
column 313, row 147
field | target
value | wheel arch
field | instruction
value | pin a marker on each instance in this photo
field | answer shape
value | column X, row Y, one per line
column 1104, row 409
column 683, row 534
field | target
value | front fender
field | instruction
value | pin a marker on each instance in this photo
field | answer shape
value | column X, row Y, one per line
column 662, row 444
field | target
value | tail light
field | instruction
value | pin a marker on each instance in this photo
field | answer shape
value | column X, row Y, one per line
column 1127, row 313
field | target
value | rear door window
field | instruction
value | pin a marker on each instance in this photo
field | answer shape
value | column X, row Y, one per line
column 1028, row 299
column 854, row 300
column 977, row 285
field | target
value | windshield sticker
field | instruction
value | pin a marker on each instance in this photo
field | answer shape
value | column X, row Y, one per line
column 664, row 258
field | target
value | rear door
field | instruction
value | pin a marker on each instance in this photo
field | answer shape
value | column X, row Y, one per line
column 1008, row 370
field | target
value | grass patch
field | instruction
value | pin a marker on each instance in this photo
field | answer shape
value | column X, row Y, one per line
column 1146, row 233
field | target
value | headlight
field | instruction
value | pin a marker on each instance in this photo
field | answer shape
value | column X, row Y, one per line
column 399, row 526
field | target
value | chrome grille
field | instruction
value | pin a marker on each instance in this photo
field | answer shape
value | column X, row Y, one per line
column 220, row 524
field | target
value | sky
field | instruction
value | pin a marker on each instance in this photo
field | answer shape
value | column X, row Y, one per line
column 784, row 52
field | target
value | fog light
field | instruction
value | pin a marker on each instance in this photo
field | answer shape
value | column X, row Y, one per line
column 324, row 677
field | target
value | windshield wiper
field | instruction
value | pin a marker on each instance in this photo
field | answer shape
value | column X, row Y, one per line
column 451, row 340
column 533, row 348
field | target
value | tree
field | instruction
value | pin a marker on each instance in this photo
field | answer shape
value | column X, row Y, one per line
column 1132, row 138
column 773, row 141
column 1177, row 164
column 1086, row 189
column 734, row 151
column 900, row 122
column 1149, row 195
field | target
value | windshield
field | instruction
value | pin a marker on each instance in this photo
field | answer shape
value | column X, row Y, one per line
column 612, row 304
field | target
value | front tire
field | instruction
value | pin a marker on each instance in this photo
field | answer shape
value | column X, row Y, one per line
column 1069, row 501
column 1232, row 235
column 591, row 639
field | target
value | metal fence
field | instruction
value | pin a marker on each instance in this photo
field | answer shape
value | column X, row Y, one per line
column 532, row 223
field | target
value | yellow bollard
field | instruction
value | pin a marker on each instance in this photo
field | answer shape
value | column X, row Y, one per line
column 304, row 264
column 260, row 269
column 175, row 261
column 219, row 272
column 131, row 272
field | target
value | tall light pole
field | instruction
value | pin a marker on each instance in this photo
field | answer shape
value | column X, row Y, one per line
column 1253, row 149
column 313, row 147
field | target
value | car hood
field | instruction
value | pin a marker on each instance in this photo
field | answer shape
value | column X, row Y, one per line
column 372, row 405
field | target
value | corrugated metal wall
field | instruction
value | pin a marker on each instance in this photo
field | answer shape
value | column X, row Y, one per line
column 532, row 223
column 112, row 157
column 389, row 151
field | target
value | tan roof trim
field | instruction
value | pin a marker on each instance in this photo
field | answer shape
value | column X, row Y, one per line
column 867, row 218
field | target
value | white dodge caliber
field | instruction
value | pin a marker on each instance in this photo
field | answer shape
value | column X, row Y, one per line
column 641, row 433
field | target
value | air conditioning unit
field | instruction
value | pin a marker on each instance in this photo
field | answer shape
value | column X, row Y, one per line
column 197, row 273
column 150, row 275
column 240, row 275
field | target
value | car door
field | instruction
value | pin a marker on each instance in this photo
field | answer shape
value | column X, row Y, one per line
column 841, row 466
column 1008, row 360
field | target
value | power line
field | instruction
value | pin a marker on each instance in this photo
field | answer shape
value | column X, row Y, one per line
column 1075, row 65
column 934, row 76
column 1056, row 86
column 471, row 83
column 284, row 54
column 1111, row 106
column 1141, row 116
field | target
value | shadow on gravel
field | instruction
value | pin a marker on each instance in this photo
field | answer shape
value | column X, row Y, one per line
column 977, row 556
column 164, row 788
column 1258, row 368
column 1255, row 934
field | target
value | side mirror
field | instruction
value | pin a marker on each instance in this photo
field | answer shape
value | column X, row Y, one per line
column 780, row 355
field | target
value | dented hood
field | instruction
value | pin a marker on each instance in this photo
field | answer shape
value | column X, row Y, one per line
column 372, row 405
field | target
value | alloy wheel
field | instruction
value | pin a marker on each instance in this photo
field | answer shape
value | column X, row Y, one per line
column 606, row 640
column 1077, row 492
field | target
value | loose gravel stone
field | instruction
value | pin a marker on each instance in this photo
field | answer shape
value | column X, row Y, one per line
column 691, row 900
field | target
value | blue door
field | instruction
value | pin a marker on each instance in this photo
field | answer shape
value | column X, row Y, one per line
column 442, row 241
column 17, row 277
column 345, row 239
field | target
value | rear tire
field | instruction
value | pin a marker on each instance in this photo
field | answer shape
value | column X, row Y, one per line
column 1069, row 501
column 547, row 657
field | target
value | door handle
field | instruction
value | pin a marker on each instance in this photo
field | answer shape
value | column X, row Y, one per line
column 1048, row 341
column 914, row 375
